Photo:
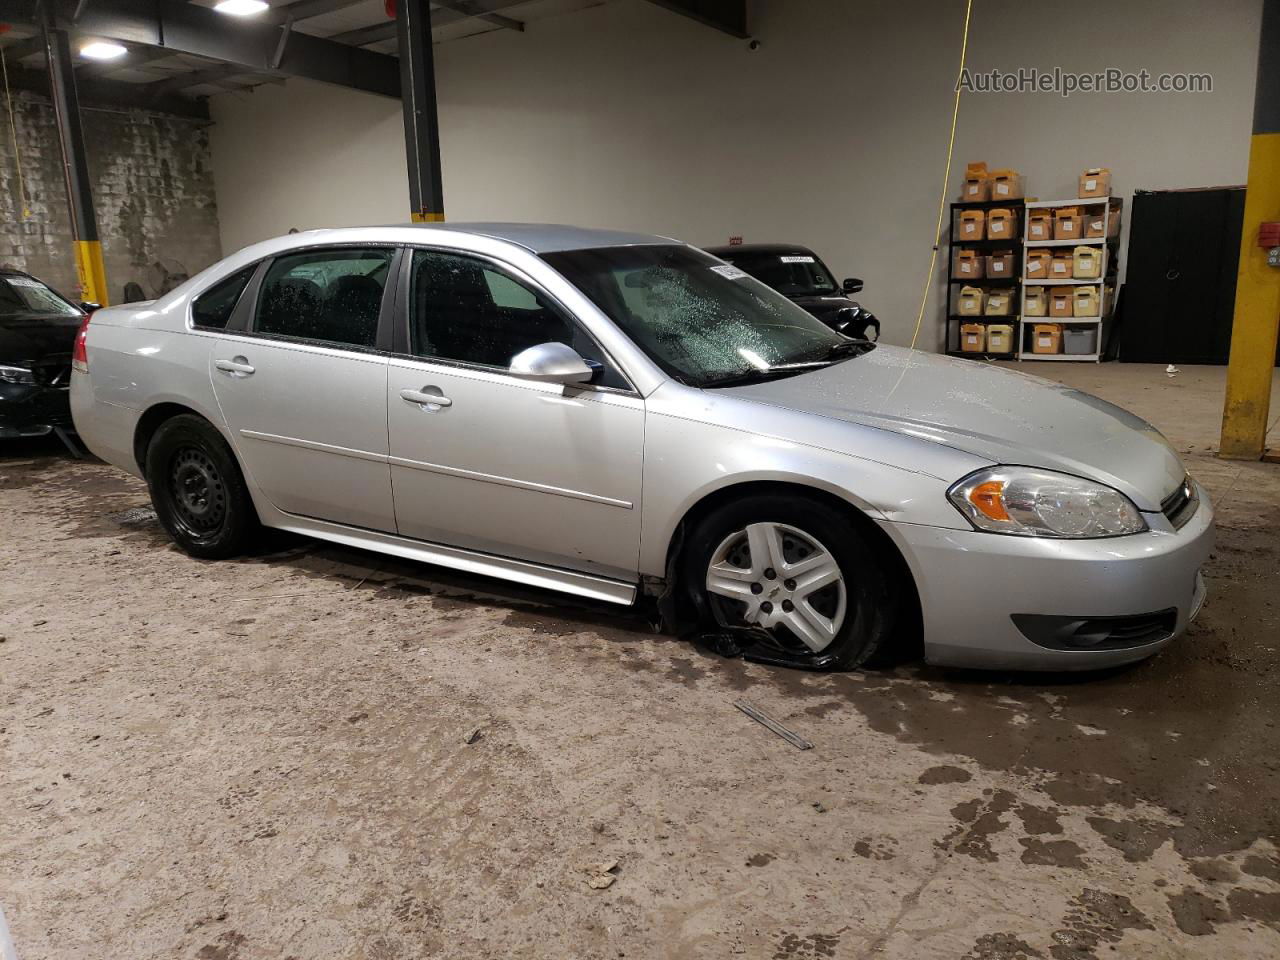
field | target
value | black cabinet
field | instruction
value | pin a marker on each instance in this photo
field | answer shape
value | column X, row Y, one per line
column 1184, row 248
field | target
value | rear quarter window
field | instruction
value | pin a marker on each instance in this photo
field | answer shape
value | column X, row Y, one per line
column 212, row 309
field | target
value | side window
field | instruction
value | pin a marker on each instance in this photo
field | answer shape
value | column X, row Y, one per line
column 465, row 310
column 330, row 296
column 213, row 308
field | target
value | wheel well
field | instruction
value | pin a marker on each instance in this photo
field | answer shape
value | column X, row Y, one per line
column 909, row 639
column 149, row 423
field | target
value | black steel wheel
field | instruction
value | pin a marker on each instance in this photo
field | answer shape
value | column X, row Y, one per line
column 197, row 489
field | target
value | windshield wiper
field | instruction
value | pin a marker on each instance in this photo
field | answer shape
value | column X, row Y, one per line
column 758, row 375
column 849, row 348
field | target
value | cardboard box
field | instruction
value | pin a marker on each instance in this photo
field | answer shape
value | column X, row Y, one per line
column 971, row 302
column 972, row 225
column 999, row 303
column 977, row 185
column 1006, row 185
column 973, row 338
column 1039, row 225
column 1000, row 338
column 970, row 265
column 1000, row 265
column 1001, row 224
column 1061, row 267
column 1085, row 302
column 1046, row 338
column 1087, row 263
column 1099, row 225
column 1061, row 303
column 1038, row 264
column 1035, row 303
column 1095, row 182
column 1067, row 223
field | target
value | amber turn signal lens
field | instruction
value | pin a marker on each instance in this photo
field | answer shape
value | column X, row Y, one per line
column 989, row 498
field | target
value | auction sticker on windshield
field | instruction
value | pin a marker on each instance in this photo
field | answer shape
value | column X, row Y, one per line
column 796, row 259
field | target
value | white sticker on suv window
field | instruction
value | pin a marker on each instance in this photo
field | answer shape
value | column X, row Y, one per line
column 796, row 259
column 24, row 282
column 728, row 271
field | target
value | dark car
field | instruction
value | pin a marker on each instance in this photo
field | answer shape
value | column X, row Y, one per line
column 800, row 275
column 37, row 332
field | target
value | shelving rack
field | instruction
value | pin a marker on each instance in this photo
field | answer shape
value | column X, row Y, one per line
column 1013, row 284
column 1107, row 275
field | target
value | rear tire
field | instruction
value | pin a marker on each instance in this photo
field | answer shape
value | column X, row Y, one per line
column 796, row 568
column 197, row 489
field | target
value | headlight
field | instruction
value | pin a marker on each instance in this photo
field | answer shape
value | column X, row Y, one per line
column 1040, row 503
column 16, row 374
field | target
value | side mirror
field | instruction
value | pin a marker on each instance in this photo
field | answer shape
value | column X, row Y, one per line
column 551, row 363
column 851, row 285
column 88, row 306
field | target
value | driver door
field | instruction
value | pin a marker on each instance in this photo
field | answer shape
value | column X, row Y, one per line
column 534, row 471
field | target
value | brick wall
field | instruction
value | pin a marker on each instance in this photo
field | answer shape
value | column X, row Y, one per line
column 152, row 188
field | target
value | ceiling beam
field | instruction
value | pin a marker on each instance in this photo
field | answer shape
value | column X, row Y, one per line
column 21, row 49
column 199, row 31
column 363, row 36
column 97, row 92
column 181, row 81
column 471, row 10
column 304, row 10
column 729, row 16
column 135, row 57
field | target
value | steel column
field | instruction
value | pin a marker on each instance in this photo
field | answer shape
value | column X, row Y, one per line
column 1257, row 311
column 75, row 165
column 421, row 124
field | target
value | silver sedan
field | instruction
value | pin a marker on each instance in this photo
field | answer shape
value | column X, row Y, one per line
column 621, row 416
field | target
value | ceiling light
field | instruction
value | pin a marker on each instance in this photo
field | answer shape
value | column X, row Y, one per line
column 102, row 50
column 241, row 8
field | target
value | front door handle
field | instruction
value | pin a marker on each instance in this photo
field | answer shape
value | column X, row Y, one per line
column 239, row 367
column 430, row 397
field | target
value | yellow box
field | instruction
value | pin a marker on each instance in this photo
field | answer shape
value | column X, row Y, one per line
column 1085, row 302
column 1086, row 263
column 999, row 303
column 1000, row 338
column 1035, row 303
column 971, row 302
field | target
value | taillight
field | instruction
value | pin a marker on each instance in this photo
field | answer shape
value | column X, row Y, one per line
column 79, row 353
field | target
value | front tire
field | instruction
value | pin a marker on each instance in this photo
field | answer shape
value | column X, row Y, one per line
column 197, row 489
column 797, row 569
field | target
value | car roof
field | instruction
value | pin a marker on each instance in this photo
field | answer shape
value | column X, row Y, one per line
column 548, row 237
column 765, row 248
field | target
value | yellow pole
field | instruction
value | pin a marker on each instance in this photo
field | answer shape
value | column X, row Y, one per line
column 1257, row 314
column 93, row 276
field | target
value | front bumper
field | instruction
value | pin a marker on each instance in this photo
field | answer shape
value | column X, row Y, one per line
column 972, row 584
column 32, row 410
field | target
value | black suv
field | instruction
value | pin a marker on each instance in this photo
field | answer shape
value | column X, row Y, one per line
column 800, row 275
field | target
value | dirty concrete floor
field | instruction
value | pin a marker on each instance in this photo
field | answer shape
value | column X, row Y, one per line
column 271, row 758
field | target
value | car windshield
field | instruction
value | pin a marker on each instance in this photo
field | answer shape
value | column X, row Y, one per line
column 703, row 322
column 793, row 273
column 27, row 295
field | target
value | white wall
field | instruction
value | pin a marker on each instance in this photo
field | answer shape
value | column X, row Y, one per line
column 833, row 133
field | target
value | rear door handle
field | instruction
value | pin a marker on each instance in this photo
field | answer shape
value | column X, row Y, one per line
column 428, row 399
column 237, row 367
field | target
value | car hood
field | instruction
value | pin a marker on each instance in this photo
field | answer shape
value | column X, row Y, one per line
column 28, row 337
column 823, row 306
column 993, row 412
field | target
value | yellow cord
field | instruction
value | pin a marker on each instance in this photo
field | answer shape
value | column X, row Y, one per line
column 13, row 130
column 946, row 179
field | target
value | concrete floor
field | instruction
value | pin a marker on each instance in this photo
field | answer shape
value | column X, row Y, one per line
column 270, row 758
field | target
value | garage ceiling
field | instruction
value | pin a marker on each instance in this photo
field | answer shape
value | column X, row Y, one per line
column 187, row 54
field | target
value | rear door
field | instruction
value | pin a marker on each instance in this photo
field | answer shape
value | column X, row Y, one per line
column 302, row 384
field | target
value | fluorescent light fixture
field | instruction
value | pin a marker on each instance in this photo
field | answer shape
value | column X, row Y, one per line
column 240, row 8
column 102, row 50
